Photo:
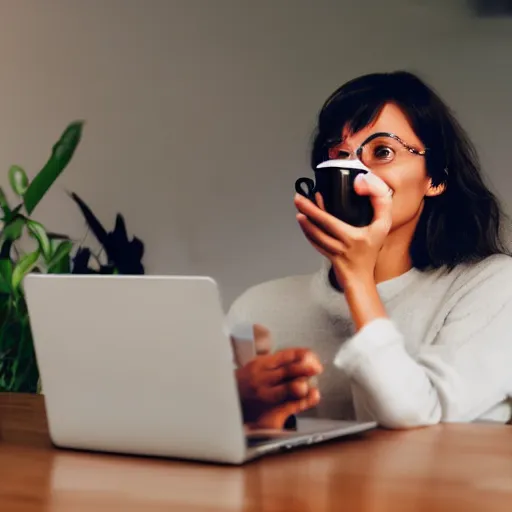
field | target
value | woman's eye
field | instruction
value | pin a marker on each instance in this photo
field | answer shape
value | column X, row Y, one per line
column 339, row 154
column 384, row 153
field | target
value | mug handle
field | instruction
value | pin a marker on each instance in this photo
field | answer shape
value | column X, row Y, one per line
column 310, row 188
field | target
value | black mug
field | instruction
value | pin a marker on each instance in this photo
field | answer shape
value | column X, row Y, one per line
column 335, row 183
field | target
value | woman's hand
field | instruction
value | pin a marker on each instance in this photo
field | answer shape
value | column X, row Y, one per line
column 272, row 387
column 275, row 417
column 353, row 251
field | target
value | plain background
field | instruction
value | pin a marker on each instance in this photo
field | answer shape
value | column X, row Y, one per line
column 199, row 113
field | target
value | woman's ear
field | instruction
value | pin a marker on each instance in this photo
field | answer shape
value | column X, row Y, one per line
column 437, row 190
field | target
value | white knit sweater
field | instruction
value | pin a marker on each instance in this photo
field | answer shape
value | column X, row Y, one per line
column 445, row 354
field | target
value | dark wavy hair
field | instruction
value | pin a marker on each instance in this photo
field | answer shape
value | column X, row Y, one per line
column 463, row 224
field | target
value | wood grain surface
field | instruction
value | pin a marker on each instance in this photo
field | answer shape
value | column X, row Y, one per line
column 441, row 468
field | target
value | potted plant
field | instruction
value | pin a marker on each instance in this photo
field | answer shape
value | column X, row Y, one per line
column 26, row 246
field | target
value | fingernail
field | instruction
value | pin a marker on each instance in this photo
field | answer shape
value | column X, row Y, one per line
column 312, row 361
column 370, row 178
column 309, row 360
column 302, row 388
column 315, row 396
column 313, row 382
column 303, row 404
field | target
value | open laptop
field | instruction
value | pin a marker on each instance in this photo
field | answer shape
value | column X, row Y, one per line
column 143, row 365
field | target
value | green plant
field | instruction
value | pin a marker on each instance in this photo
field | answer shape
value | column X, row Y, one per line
column 123, row 256
column 26, row 246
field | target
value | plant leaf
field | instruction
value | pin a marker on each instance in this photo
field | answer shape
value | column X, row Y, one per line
column 23, row 267
column 62, row 152
column 62, row 267
column 5, row 275
column 13, row 229
column 96, row 227
column 124, row 254
column 57, row 236
column 18, row 180
column 37, row 230
column 56, row 240
column 60, row 262
column 62, row 250
column 81, row 261
column 25, row 374
column 120, row 229
column 4, row 204
column 108, row 269
column 14, row 213
column 5, row 251
column 137, row 248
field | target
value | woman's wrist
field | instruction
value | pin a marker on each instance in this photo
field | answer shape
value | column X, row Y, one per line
column 363, row 300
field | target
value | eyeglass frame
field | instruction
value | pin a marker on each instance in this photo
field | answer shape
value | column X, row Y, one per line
column 408, row 147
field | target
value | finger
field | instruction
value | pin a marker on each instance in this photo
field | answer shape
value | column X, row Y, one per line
column 310, row 366
column 297, row 388
column 275, row 376
column 293, row 390
column 330, row 224
column 276, row 417
column 382, row 207
column 320, row 201
column 311, row 361
column 380, row 194
column 282, row 367
column 369, row 184
column 297, row 406
column 312, row 400
column 285, row 357
column 317, row 247
column 321, row 238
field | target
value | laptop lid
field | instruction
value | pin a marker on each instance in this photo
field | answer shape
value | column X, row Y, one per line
column 136, row 364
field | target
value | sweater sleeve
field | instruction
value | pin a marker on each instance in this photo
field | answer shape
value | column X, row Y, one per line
column 462, row 375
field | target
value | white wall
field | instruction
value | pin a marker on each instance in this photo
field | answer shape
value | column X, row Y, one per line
column 199, row 113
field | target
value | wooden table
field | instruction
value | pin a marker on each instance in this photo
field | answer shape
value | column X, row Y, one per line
column 448, row 468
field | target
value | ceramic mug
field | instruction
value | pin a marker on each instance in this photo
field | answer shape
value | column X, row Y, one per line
column 334, row 179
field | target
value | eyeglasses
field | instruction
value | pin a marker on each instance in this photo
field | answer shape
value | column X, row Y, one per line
column 377, row 150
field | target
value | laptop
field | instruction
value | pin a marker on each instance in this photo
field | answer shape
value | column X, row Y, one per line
column 143, row 365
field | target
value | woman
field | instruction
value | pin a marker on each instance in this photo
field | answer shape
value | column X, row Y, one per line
column 409, row 322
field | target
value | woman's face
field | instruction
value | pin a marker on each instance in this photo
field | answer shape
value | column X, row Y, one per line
column 404, row 172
